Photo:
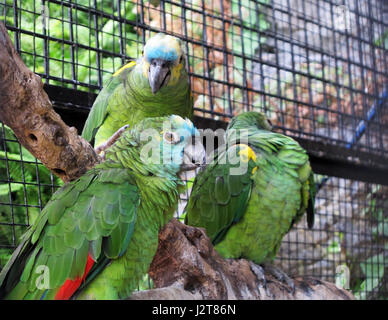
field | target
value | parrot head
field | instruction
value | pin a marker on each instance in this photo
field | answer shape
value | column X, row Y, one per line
column 250, row 119
column 163, row 61
column 164, row 146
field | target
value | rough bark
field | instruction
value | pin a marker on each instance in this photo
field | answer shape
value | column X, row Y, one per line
column 186, row 265
column 26, row 108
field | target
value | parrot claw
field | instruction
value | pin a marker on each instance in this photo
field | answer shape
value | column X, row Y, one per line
column 259, row 272
column 105, row 145
column 281, row 276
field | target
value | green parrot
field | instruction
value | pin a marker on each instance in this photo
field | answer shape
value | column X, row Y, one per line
column 155, row 85
column 97, row 236
column 253, row 191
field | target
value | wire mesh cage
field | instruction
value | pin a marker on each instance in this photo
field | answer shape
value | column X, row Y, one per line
column 318, row 69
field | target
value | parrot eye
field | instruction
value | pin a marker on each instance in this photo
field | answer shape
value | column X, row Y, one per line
column 171, row 137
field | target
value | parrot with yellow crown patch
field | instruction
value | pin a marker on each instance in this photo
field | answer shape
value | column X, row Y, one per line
column 155, row 85
column 253, row 192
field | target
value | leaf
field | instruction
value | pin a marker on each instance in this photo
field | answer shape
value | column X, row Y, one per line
column 334, row 247
column 373, row 269
column 381, row 229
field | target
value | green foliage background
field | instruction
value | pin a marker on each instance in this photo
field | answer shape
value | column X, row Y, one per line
column 25, row 184
column 63, row 25
column 21, row 199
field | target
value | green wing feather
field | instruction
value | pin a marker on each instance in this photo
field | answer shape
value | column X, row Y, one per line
column 99, row 111
column 219, row 198
column 93, row 215
column 286, row 154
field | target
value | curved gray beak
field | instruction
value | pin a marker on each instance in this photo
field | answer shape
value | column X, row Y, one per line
column 158, row 74
column 194, row 155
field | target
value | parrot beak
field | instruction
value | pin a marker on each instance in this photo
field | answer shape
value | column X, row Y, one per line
column 194, row 155
column 158, row 74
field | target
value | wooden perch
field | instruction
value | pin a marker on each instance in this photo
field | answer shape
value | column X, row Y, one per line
column 26, row 108
column 186, row 266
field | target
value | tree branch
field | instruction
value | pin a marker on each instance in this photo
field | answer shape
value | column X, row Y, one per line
column 186, row 266
column 26, row 108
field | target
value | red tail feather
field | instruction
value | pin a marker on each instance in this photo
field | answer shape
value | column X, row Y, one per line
column 70, row 286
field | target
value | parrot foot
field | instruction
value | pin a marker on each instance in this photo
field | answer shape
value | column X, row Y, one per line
column 260, row 275
column 105, row 145
column 280, row 275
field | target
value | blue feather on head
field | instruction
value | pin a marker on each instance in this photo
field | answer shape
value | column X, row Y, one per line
column 161, row 52
column 164, row 47
column 185, row 126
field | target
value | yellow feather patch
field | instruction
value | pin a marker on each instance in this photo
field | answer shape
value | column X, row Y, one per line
column 128, row 65
column 254, row 170
column 175, row 73
column 146, row 67
column 246, row 153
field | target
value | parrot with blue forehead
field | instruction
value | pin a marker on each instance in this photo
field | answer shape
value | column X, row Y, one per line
column 97, row 235
column 155, row 85
column 257, row 186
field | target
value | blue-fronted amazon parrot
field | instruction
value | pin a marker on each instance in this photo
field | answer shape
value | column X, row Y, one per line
column 253, row 191
column 97, row 236
column 155, row 85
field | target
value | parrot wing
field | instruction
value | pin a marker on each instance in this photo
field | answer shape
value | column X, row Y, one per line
column 290, row 156
column 219, row 197
column 99, row 110
column 86, row 223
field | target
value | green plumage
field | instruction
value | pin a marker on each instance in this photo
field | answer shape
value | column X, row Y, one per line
column 113, row 214
column 127, row 97
column 249, row 197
